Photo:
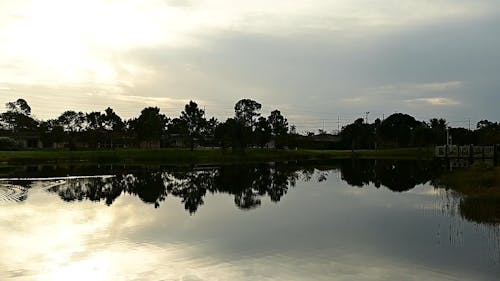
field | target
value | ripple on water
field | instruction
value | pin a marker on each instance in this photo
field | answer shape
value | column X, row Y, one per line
column 12, row 193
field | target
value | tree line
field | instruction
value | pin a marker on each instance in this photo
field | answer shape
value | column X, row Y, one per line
column 151, row 128
column 247, row 128
column 403, row 130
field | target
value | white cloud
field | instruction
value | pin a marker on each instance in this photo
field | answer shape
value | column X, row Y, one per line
column 410, row 88
column 436, row 101
column 151, row 101
column 443, row 86
column 354, row 100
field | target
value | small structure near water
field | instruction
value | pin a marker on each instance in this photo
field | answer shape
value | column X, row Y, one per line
column 466, row 151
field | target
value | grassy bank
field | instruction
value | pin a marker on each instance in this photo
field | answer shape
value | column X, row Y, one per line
column 479, row 188
column 475, row 181
column 203, row 156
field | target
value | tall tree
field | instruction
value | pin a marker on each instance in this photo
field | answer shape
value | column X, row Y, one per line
column 150, row 125
column 71, row 121
column 95, row 120
column 358, row 135
column 438, row 127
column 209, row 131
column 18, row 116
column 112, row 121
column 279, row 124
column 398, row 129
column 439, row 124
column 246, row 110
column 488, row 132
column 262, row 132
column 195, row 121
column 20, row 106
column 232, row 133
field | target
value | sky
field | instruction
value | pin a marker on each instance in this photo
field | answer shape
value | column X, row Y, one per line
column 322, row 63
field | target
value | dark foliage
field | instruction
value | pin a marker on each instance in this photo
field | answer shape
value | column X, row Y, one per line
column 152, row 129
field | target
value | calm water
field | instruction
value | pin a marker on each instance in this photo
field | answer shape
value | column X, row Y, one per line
column 347, row 220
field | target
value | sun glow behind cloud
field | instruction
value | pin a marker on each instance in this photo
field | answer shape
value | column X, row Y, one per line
column 75, row 41
column 64, row 42
column 98, row 47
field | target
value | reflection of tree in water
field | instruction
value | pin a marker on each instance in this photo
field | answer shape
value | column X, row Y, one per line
column 148, row 186
column 248, row 184
column 397, row 175
column 93, row 189
column 357, row 173
column 480, row 209
column 190, row 186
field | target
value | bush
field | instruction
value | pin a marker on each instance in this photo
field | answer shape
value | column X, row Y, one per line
column 8, row 144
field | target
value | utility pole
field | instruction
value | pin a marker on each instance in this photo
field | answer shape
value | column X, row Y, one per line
column 469, row 124
column 368, row 112
column 338, row 124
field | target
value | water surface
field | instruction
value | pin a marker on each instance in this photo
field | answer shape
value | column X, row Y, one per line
column 346, row 220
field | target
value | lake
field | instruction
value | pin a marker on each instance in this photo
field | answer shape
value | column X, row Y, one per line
column 336, row 220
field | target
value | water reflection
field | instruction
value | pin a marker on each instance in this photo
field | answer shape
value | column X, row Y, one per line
column 247, row 184
column 325, row 227
column 395, row 175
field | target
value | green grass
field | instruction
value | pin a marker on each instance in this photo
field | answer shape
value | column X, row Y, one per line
column 180, row 156
column 475, row 181
column 479, row 188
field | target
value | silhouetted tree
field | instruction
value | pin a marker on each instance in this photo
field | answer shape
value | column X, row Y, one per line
column 177, row 126
column 209, row 132
column 51, row 132
column 20, row 106
column 398, row 129
column 113, row 122
column 95, row 121
column 263, row 132
column 246, row 110
column 488, row 132
column 358, row 135
column 149, row 126
column 462, row 136
column 18, row 116
column 423, row 135
column 194, row 119
column 71, row 121
column 279, row 127
column 438, row 127
column 239, row 134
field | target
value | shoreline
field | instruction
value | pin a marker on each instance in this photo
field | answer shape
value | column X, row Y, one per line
column 185, row 156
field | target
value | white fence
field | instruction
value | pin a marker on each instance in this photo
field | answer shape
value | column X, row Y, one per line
column 464, row 151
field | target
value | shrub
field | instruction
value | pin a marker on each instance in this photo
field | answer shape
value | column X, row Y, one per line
column 8, row 144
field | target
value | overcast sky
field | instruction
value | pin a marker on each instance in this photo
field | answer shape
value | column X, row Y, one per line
column 316, row 60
